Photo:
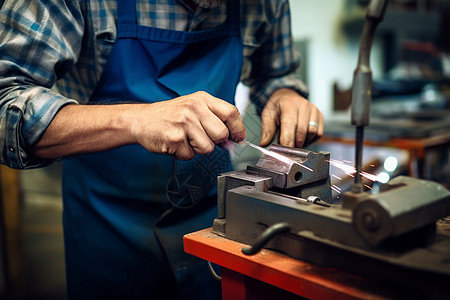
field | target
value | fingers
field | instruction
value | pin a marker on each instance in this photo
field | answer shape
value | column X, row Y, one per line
column 315, row 127
column 183, row 151
column 299, row 121
column 214, row 129
column 269, row 120
column 208, row 121
column 201, row 142
column 310, row 125
column 171, row 141
column 228, row 114
column 292, row 130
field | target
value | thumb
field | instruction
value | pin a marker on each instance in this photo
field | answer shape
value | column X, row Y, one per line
column 228, row 114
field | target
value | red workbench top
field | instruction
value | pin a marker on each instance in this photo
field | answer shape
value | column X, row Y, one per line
column 289, row 274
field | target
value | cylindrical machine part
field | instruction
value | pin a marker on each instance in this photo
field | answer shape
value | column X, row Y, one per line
column 372, row 221
column 406, row 205
column 358, row 186
column 361, row 98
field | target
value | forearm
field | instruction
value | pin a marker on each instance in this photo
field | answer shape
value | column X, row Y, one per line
column 78, row 129
column 181, row 127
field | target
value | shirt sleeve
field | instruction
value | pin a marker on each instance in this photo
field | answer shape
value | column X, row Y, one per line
column 39, row 43
column 270, row 58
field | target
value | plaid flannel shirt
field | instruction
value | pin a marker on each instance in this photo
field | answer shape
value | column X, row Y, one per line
column 67, row 43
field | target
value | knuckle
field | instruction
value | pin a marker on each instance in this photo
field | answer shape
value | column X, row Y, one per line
column 299, row 142
column 209, row 148
column 287, row 102
column 184, row 115
column 200, row 93
column 300, row 132
column 233, row 112
column 205, row 149
column 188, row 156
column 300, row 137
column 192, row 104
column 222, row 134
column 195, row 105
column 184, row 111
column 270, row 116
column 200, row 96
column 182, row 151
column 288, row 122
column 175, row 137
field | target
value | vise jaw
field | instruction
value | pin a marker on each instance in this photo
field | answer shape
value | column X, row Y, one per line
column 303, row 167
column 304, row 174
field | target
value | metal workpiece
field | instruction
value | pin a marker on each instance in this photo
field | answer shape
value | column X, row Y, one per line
column 302, row 167
column 405, row 204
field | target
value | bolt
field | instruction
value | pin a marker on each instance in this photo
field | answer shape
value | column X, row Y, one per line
column 370, row 221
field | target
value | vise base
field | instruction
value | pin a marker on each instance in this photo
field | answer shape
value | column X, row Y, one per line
column 389, row 237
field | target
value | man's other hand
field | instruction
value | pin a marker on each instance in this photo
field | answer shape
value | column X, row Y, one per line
column 295, row 116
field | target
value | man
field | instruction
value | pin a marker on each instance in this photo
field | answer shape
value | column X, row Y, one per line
column 140, row 160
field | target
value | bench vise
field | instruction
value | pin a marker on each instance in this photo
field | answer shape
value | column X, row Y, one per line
column 388, row 237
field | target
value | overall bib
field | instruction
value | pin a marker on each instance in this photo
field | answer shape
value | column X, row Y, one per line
column 126, row 210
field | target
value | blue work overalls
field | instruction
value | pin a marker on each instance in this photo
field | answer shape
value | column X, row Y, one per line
column 126, row 210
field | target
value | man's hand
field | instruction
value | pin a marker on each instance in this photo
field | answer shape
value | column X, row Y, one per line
column 187, row 125
column 294, row 115
column 180, row 127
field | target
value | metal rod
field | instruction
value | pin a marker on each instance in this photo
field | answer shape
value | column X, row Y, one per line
column 297, row 152
column 358, row 187
column 273, row 154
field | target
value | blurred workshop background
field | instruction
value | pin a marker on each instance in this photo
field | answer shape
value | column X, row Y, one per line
column 409, row 132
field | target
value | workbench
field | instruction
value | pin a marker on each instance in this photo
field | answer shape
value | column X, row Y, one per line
column 272, row 275
column 420, row 134
column 417, row 148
